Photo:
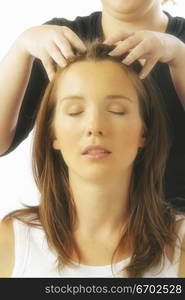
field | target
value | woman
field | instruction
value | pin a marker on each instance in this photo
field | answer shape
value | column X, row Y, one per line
column 142, row 26
column 99, row 155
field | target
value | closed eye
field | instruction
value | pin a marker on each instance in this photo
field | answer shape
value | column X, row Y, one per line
column 74, row 114
column 117, row 113
column 113, row 112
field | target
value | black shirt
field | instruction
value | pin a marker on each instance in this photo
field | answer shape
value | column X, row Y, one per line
column 90, row 28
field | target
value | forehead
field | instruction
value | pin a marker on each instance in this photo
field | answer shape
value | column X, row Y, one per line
column 95, row 77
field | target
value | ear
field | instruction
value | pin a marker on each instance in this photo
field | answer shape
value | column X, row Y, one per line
column 142, row 141
column 56, row 145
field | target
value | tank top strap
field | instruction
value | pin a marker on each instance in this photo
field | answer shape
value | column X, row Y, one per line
column 21, row 247
column 178, row 244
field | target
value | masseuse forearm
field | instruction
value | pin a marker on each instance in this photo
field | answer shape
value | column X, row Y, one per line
column 15, row 70
column 177, row 70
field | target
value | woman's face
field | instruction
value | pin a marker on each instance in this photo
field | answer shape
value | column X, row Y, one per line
column 97, row 105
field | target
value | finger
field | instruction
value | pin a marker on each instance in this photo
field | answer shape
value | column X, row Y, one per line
column 140, row 51
column 142, row 61
column 126, row 45
column 148, row 66
column 49, row 67
column 57, row 56
column 74, row 40
column 64, row 46
column 118, row 37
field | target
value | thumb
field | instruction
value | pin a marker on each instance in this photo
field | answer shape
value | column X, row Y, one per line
column 118, row 37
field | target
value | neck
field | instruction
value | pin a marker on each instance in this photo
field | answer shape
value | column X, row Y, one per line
column 101, row 207
column 152, row 19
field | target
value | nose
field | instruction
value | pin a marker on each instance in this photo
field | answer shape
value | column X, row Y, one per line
column 95, row 126
column 94, row 132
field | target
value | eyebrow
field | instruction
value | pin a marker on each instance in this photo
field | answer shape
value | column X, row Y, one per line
column 114, row 96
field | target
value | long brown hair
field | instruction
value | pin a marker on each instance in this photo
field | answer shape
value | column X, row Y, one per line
column 151, row 222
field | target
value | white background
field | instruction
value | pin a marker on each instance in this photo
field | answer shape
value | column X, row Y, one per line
column 16, row 182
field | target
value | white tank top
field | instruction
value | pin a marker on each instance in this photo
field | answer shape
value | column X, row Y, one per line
column 33, row 258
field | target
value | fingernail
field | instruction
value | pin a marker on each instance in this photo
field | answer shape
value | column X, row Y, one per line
column 107, row 42
column 142, row 76
column 64, row 64
column 113, row 52
column 50, row 77
column 126, row 62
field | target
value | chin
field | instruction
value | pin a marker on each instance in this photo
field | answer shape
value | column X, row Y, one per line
column 97, row 177
column 126, row 7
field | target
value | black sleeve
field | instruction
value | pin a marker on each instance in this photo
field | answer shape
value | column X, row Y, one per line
column 36, row 86
column 32, row 98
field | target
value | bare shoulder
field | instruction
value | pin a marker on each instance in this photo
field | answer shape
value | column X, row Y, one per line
column 181, row 272
column 179, row 226
column 6, row 248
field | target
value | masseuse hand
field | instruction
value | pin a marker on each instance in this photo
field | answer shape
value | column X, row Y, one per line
column 149, row 46
column 52, row 44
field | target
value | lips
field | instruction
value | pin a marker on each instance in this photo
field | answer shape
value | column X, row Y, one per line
column 95, row 149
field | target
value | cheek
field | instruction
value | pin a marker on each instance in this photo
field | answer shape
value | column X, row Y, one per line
column 66, row 134
column 129, row 136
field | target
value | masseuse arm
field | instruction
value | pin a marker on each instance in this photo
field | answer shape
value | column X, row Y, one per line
column 51, row 44
column 177, row 70
column 154, row 47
